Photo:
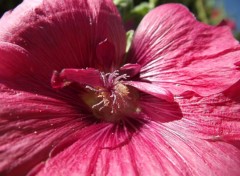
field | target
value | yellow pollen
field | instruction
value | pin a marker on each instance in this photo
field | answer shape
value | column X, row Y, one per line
column 122, row 89
column 112, row 105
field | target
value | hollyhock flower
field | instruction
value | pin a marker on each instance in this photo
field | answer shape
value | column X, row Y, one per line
column 74, row 103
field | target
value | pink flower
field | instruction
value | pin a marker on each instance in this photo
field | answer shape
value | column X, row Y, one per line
column 73, row 103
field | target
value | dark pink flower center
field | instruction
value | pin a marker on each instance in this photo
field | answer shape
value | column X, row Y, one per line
column 105, row 94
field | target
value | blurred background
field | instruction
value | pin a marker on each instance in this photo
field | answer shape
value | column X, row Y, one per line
column 211, row 12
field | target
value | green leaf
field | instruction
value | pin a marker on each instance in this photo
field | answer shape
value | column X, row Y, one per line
column 124, row 7
column 123, row 3
column 141, row 9
column 129, row 36
column 153, row 3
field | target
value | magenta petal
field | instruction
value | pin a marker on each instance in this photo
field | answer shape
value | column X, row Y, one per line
column 159, row 110
column 89, row 76
column 65, row 34
column 152, row 150
column 237, row 63
column 105, row 53
column 229, row 23
column 130, row 69
column 215, row 118
column 152, row 89
column 93, row 140
column 20, row 70
column 31, row 126
column 14, row 62
column 182, row 54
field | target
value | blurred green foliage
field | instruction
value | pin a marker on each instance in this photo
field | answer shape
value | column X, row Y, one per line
column 205, row 10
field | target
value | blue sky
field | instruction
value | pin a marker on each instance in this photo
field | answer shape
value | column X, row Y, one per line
column 232, row 8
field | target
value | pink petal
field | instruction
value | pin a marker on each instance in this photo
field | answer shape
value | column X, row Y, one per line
column 18, row 69
column 182, row 54
column 130, row 69
column 237, row 63
column 152, row 89
column 31, row 126
column 101, row 137
column 228, row 22
column 65, row 34
column 105, row 52
column 159, row 110
column 13, row 61
column 152, row 150
column 89, row 76
column 215, row 118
